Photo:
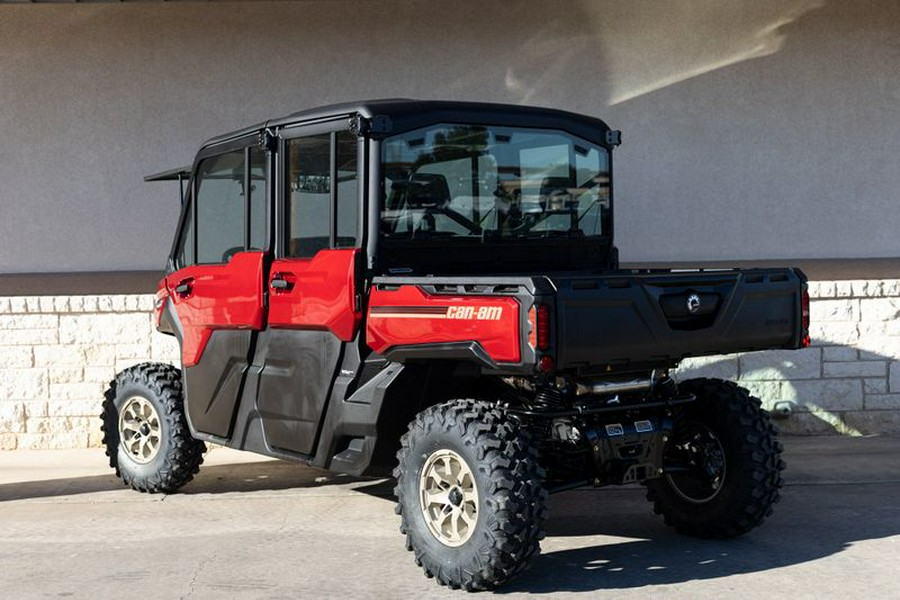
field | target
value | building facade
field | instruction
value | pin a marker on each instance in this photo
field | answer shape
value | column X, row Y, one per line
column 753, row 133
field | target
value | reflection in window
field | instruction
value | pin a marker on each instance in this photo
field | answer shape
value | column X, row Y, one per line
column 315, row 184
column 467, row 181
column 257, row 198
column 347, row 217
column 220, row 207
column 309, row 195
column 185, row 254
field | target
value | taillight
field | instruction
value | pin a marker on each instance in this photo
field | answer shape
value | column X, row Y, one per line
column 539, row 336
column 543, row 327
column 804, row 319
column 546, row 364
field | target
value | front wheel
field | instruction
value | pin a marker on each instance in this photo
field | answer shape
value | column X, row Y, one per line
column 145, row 429
column 470, row 494
column 723, row 463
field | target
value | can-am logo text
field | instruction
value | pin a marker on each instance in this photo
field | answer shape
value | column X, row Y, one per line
column 477, row 313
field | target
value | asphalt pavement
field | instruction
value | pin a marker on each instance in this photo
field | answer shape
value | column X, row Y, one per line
column 249, row 527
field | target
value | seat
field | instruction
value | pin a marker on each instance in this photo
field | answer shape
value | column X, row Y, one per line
column 428, row 191
column 554, row 193
column 424, row 193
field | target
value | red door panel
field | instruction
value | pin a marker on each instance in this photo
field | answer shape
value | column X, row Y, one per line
column 409, row 316
column 208, row 297
column 315, row 293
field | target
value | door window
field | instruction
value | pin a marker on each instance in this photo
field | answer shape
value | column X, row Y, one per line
column 321, row 174
column 230, row 215
column 347, row 215
column 184, row 256
column 257, row 195
column 308, row 207
column 220, row 207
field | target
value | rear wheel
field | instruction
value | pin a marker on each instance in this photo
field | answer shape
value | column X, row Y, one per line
column 145, row 430
column 723, row 464
column 470, row 493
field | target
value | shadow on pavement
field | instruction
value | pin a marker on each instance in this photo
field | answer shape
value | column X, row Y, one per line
column 812, row 521
column 259, row 476
column 27, row 490
column 839, row 491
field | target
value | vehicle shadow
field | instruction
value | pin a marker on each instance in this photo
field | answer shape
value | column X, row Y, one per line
column 48, row 488
column 812, row 521
column 272, row 475
column 245, row 477
column 839, row 491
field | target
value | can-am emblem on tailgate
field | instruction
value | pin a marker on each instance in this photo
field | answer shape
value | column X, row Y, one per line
column 693, row 303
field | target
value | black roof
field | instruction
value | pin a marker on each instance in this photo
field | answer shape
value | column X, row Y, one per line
column 177, row 174
column 405, row 114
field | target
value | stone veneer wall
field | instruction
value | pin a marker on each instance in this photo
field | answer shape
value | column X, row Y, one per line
column 848, row 381
column 58, row 353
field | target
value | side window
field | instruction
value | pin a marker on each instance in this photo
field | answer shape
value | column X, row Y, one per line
column 347, row 217
column 257, row 198
column 231, row 211
column 220, row 207
column 321, row 174
column 185, row 255
column 309, row 195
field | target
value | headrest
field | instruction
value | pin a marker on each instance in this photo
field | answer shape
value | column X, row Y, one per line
column 555, row 184
column 424, row 190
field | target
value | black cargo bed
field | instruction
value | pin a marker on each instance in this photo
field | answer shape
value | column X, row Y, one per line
column 629, row 320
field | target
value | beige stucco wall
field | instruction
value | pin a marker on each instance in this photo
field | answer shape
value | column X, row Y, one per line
column 752, row 128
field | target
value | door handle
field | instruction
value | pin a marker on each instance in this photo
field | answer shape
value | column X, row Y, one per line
column 281, row 283
column 184, row 288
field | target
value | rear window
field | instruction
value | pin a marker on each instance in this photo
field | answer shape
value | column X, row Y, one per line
column 492, row 182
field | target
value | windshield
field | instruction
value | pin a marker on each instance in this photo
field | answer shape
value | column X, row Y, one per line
column 493, row 183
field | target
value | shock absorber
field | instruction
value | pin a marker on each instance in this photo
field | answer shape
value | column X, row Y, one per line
column 548, row 398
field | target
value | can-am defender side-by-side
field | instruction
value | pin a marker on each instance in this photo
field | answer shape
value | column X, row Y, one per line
column 432, row 288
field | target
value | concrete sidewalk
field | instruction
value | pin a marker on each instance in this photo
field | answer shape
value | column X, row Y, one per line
column 249, row 527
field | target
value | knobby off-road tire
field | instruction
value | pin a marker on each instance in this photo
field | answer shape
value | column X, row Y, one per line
column 735, row 460
column 470, row 492
column 145, row 431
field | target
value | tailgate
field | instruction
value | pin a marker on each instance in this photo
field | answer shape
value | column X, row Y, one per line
column 629, row 320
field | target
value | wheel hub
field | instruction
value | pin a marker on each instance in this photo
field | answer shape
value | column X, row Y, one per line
column 705, row 458
column 140, row 431
column 449, row 498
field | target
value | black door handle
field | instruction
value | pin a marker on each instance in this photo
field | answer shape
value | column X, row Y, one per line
column 184, row 288
column 282, row 282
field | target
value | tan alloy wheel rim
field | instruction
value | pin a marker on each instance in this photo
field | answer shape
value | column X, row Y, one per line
column 139, row 429
column 449, row 498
